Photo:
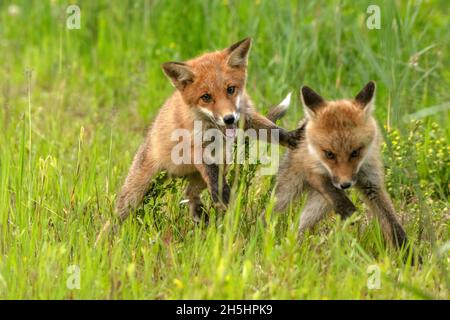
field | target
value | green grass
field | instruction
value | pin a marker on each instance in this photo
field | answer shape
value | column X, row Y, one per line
column 74, row 106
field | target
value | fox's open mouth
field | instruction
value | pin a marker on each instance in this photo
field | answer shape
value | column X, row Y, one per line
column 231, row 131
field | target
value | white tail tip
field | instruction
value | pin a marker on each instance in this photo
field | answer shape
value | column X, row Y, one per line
column 286, row 102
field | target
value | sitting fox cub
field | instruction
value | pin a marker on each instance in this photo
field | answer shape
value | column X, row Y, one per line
column 210, row 89
column 339, row 148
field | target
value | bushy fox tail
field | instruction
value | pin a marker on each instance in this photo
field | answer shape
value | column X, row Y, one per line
column 280, row 110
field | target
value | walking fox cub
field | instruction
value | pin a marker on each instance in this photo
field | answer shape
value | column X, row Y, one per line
column 339, row 148
column 210, row 89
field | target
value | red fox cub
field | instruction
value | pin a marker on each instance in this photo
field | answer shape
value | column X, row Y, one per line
column 210, row 89
column 339, row 148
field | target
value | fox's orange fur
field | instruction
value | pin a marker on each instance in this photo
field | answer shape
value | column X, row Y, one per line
column 339, row 148
column 211, row 89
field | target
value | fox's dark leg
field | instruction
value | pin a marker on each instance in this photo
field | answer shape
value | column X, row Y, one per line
column 136, row 184
column 377, row 199
column 195, row 186
column 336, row 197
column 286, row 138
column 315, row 209
column 214, row 176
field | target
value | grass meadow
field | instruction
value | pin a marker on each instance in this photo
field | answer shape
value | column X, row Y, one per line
column 75, row 105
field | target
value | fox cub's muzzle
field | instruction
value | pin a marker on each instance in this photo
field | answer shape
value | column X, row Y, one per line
column 343, row 183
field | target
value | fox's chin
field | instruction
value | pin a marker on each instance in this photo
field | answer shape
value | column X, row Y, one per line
column 228, row 130
column 338, row 186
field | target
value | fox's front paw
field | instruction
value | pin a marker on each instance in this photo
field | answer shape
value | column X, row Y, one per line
column 199, row 214
column 345, row 208
column 222, row 199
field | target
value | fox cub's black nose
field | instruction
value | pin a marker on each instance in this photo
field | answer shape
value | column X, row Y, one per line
column 346, row 185
column 229, row 119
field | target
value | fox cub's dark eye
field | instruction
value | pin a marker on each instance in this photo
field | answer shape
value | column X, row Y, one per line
column 206, row 97
column 355, row 153
column 231, row 89
column 330, row 155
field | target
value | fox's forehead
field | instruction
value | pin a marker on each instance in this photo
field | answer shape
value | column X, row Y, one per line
column 341, row 126
column 341, row 141
column 212, row 69
column 207, row 60
column 340, row 114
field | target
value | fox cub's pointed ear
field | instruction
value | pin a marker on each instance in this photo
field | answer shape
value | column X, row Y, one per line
column 238, row 53
column 179, row 73
column 311, row 100
column 366, row 97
